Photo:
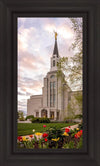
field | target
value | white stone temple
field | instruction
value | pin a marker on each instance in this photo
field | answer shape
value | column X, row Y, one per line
column 53, row 101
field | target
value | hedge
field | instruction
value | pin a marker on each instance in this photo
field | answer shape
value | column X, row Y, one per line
column 40, row 120
column 29, row 117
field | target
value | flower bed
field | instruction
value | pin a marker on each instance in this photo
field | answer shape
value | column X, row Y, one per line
column 52, row 139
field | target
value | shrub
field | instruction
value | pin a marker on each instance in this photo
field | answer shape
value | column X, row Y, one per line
column 79, row 116
column 69, row 121
column 21, row 115
column 40, row 120
column 29, row 117
column 44, row 120
column 35, row 120
column 21, row 119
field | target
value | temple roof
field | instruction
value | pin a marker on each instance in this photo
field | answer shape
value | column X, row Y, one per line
column 55, row 51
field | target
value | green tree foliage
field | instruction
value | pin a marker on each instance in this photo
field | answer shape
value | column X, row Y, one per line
column 29, row 117
column 73, row 105
column 79, row 99
column 21, row 115
column 72, row 67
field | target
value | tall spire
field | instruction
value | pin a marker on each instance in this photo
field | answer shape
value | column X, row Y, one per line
column 55, row 51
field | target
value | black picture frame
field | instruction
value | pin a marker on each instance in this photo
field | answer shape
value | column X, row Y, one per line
column 9, row 11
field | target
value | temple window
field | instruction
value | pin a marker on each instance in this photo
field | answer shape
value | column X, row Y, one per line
column 52, row 76
column 37, row 114
column 57, row 115
column 52, row 94
column 53, row 62
column 51, row 115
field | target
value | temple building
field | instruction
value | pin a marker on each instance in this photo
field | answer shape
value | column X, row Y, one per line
column 54, row 100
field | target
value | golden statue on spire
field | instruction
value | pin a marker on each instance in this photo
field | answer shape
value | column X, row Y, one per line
column 56, row 34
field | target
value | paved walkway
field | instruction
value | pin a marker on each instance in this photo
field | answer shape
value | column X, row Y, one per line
column 71, row 127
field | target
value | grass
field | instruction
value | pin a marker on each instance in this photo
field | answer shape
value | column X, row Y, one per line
column 26, row 128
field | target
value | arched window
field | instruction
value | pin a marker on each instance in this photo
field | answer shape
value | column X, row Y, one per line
column 44, row 113
column 52, row 94
column 52, row 76
column 53, row 62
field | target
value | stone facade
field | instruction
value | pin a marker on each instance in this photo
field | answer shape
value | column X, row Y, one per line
column 55, row 96
column 34, row 104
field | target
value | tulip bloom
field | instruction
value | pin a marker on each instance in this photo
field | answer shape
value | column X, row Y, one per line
column 31, row 136
column 55, row 139
column 67, row 130
column 45, row 139
column 81, row 131
column 76, row 136
column 44, row 125
column 45, row 135
column 25, row 138
column 77, row 129
column 38, row 134
column 19, row 138
column 65, row 134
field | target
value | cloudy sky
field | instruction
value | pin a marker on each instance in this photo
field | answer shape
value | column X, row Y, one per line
column 35, row 47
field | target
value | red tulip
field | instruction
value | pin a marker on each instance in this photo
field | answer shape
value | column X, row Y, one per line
column 76, row 136
column 45, row 135
column 45, row 139
column 19, row 138
column 67, row 130
column 44, row 125
column 31, row 136
column 81, row 131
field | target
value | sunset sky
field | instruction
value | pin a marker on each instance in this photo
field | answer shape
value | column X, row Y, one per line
column 35, row 47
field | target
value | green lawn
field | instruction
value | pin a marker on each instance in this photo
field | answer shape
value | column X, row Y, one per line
column 26, row 128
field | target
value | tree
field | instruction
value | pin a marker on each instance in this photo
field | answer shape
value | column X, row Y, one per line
column 21, row 115
column 72, row 67
column 74, row 107
column 79, row 99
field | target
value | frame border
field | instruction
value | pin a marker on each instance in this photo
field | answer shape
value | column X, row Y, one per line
column 44, row 151
column 8, row 10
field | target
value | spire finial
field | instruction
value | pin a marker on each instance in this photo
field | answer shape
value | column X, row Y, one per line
column 56, row 34
column 55, row 52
